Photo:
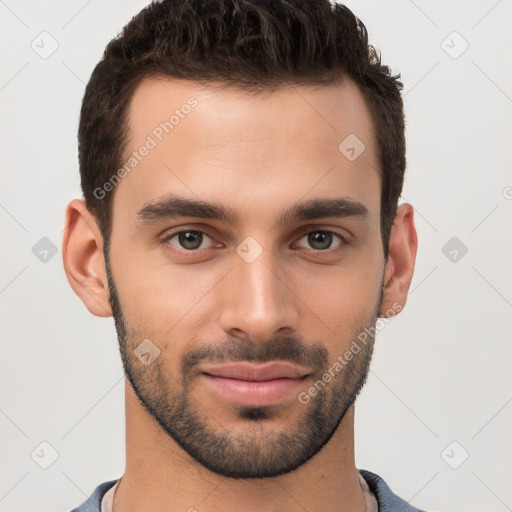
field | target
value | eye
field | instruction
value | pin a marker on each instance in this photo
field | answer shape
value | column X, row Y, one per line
column 321, row 240
column 190, row 240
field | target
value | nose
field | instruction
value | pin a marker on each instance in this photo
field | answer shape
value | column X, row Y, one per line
column 259, row 300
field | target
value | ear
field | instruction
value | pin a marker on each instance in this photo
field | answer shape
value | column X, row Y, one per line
column 403, row 245
column 82, row 254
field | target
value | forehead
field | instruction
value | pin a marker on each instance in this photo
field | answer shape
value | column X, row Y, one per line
column 250, row 149
column 227, row 110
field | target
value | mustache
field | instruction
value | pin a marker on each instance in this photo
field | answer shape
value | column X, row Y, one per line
column 283, row 348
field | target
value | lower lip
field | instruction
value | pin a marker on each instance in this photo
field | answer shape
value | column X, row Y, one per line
column 254, row 393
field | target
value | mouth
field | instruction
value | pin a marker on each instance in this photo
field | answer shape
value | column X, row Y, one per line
column 254, row 385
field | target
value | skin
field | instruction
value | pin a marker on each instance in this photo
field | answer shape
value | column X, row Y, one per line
column 256, row 155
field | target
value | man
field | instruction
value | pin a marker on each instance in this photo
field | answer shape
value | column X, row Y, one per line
column 241, row 163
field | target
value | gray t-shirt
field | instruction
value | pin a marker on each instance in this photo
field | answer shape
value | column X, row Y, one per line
column 377, row 493
column 371, row 502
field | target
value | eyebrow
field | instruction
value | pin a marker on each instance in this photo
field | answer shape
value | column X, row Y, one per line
column 171, row 206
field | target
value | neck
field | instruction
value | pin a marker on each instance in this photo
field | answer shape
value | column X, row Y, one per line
column 160, row 476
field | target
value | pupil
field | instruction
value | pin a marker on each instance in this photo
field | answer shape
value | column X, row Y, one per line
column 186, row 239
column 319, row 237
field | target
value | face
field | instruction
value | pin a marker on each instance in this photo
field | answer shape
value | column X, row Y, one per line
column 244, row 234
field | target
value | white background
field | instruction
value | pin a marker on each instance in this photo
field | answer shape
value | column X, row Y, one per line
column 441, row 371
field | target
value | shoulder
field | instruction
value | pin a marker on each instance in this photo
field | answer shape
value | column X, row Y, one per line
column 93, row 503
column 388, row 501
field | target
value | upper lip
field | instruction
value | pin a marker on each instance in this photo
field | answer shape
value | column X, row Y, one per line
column 251, row 372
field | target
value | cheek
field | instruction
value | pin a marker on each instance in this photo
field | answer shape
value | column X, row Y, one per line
column 351, row 283
column 159, row 298
column 343, row 300
column 344, row 306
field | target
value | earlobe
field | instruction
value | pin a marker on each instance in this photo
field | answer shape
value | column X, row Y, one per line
column 403, row 245
column 82, row 254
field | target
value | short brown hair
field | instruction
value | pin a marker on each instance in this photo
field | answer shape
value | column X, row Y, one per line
column 249, row 44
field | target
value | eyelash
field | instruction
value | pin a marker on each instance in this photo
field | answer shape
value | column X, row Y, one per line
column 315, row 252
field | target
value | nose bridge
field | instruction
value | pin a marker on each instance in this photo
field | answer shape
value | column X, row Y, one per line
column 257, row 302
